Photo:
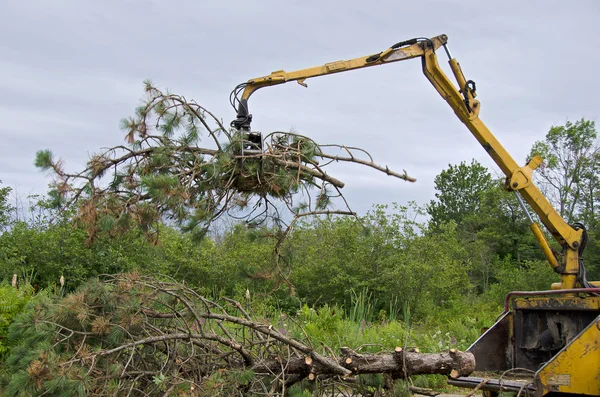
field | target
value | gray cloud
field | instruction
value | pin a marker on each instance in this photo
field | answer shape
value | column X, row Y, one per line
column 70, row 70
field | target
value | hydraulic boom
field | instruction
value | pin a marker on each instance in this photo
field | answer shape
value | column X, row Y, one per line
column 462, row 100
column 555, row 333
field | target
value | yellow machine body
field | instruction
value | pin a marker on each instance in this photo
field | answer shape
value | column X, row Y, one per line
column 576, row 368
column 555, row 333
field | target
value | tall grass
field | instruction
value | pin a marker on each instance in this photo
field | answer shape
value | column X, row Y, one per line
column 362, row 307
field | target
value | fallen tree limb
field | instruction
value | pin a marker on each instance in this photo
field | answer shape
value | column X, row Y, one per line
column 134, row 332
column 399, row 363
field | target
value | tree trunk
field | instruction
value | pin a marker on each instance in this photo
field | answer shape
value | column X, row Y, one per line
column 399, row 363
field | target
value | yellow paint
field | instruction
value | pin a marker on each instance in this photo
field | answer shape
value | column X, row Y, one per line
column 559, row 285
column 388, row 56
column 576, row 369
column 562, row 303
column 539, row 236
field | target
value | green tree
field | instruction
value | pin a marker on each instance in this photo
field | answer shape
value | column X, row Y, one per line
column 503, row 225
column 570, row 178
column 328, row 260
column 5, row 208
column 459, row 191
column 430, row 274
column 490, row 223
column 499, row 231
column 389, row 258
column 569, row 175
column 47, row 245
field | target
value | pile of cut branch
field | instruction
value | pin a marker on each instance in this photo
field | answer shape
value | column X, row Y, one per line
column 133, row 335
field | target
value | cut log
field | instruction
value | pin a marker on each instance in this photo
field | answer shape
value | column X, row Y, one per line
column 399, row 363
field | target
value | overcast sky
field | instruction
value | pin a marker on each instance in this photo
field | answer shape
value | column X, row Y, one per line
column 70, row 70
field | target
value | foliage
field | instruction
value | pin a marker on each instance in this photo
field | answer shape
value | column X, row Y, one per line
column 359, row 257
column 459, row 190
column 52, row 251
column 5, row 208
column 81, row 344
column 136, row 333
column 571, row 166
column 362, row 306
column 165, row 175
column 501, row 225
column 389, row 243
column 570, row 178
column 12, row 301
column 528, row 276
column 439, row 273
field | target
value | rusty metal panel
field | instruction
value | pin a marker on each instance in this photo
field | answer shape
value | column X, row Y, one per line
column 492, row 350
column 576, row 368
column 541, row 334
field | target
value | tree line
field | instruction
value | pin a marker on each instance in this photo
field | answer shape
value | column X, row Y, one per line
column 472, row 238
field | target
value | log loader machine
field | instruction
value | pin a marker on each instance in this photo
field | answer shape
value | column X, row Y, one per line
column 553, row 333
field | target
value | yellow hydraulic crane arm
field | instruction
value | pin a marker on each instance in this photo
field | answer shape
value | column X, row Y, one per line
column 462, row 100
column 398, row 52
